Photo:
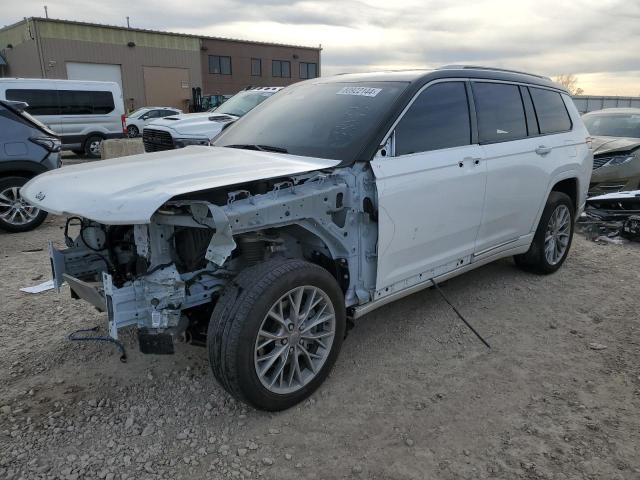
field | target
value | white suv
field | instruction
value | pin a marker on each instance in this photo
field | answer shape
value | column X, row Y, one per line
column 337, row 196
column 180, row 131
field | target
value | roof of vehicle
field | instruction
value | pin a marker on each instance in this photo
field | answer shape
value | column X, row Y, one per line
column 421, row 77
column 620, row 110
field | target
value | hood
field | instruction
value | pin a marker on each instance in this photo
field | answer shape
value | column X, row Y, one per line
column 602, row 145
column 128, row 190
column 205, row 124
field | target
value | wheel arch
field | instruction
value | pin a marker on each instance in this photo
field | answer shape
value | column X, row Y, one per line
column 568, row 186
column 21, row 168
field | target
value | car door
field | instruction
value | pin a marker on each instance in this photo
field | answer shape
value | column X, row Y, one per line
column 430, row 189
column 518, row 162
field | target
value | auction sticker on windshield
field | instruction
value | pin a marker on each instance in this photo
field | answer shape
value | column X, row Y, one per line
column 359, row 91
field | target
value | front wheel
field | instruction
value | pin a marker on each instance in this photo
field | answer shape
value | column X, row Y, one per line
column 16, row 215
column 552, row 240
column 275, row 333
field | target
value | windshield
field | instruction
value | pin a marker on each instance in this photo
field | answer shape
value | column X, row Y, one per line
column 324, row 120
column 614, row 125
column 243, row 102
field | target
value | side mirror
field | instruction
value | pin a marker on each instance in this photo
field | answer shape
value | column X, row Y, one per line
column 144, row 117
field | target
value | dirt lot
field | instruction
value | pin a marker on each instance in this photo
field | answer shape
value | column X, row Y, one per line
column 413, row 395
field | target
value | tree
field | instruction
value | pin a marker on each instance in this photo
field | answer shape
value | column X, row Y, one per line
column 570, row 82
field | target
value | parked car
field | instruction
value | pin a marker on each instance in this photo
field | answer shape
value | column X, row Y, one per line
column 616, row 149
column 200, row 128
column 81, row 113
column 335, row 197
column 27, row 148
column 137, row 119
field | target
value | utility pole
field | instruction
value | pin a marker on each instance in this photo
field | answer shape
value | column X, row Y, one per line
column 128, row 26
column 46, row 12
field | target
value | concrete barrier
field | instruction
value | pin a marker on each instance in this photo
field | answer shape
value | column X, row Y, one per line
column 121, row 147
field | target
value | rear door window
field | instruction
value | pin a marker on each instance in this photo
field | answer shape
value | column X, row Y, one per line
column 551, row 111
column 500, row 112
column 85, row 102
column 438, row 118
column 41, row 102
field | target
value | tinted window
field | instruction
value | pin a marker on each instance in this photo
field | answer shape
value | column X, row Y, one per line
column 281, row 68
column 439, row 118
column 219, row 65
column 551, row 111
column 256, row 67
column 41, row 102
column 613, row 125
column 500, row 112
column 325, row 120
column 80, row 102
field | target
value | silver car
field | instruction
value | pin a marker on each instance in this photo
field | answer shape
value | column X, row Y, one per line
column 616, row 149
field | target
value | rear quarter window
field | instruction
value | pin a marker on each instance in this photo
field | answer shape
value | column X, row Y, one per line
column 551, row 111
column 499, row 111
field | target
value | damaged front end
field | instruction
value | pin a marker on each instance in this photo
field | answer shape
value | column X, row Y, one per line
column 155, row 276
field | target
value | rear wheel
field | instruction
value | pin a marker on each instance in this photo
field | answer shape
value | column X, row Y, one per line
column 552, row 240
column 93, row 146
column 132, row 131
column 16, row 215
column 275, row 333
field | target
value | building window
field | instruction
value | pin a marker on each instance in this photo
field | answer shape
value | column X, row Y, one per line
column 256, row 67
column 281, row 68
column 308, row 70
column 219, row 65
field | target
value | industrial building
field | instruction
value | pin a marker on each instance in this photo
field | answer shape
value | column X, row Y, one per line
column 152, row 67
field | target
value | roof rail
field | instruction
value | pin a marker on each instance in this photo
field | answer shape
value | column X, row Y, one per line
column 478, row 67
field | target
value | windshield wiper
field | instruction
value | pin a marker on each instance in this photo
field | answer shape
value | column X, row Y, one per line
column 261, row 148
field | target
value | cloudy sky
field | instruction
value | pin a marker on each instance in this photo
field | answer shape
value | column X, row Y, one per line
column 597, row 40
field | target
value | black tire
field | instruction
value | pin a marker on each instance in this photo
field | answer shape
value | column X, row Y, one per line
column 132, row 131
column 17, row 225
column 238, row 315
column 89, row 146
column 535, row 260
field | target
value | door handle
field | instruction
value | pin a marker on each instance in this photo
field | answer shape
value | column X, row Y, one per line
column 543, row 150
column 475, row 160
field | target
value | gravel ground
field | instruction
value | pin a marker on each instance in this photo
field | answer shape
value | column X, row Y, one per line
column 414, row 394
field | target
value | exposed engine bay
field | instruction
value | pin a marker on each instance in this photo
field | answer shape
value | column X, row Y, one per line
column 165, row 276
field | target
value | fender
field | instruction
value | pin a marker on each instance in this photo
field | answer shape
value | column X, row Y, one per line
column 555, row 178
column 20, row 167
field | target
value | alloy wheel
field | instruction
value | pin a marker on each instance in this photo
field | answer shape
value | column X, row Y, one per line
column 556, row 239
column 14, row 210
column 295, row 339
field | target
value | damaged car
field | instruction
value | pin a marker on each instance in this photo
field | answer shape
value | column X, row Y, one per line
column 298, row 219
column 616, row 149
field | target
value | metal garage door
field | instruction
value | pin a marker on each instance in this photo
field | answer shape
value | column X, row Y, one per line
column 102, row 72
column 167, row 87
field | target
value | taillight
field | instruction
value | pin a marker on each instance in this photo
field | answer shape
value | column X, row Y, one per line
column 589, row 142
column 123, row 119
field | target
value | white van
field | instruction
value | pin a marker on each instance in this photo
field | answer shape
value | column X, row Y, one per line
column 82, row 113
